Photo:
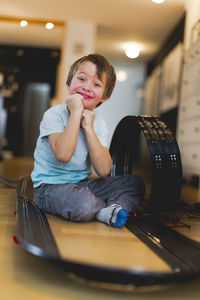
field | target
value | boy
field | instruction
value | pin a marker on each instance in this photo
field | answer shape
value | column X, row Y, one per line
column 72, row 138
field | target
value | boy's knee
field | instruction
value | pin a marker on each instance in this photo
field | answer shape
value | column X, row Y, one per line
column 83, row 211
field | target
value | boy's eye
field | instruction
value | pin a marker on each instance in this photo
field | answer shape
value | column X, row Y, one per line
column 81, row 78
column 97, row 84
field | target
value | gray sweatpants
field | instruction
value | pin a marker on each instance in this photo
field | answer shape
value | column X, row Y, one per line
column 79, row 202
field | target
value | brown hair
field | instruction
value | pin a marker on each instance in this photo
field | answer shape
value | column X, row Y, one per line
column 102, row 66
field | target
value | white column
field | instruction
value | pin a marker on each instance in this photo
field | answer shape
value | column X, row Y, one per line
column 78, row 40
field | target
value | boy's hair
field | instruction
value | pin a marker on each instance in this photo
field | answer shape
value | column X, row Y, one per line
column 102, row 65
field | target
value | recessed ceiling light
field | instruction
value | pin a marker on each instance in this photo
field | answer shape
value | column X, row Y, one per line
column 49, row 25
column 23, row 23
column 158, row 1
column 132, row 51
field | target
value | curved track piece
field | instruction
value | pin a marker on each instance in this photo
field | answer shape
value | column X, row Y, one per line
column 163, row 154
column 34, row 234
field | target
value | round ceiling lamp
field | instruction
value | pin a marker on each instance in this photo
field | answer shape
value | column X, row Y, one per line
column 158, row 1
column 132, row 51
column 23, row 23
column 49, row 25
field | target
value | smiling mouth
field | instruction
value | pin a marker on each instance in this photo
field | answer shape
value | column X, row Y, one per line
column 85, row 96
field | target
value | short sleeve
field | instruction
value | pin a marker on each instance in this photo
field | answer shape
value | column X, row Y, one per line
column 101, row 130
column 53, row 121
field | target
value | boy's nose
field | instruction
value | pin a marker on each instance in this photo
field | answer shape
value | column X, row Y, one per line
column 87, row 86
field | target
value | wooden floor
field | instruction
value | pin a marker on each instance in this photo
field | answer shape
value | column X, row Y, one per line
column 96, row 243
column 23, row 275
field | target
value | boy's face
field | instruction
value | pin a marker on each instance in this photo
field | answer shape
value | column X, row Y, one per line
column 86, row 83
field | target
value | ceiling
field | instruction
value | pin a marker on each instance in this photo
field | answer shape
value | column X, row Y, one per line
column 117, row 21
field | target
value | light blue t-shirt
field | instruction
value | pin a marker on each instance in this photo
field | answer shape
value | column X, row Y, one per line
column 47, row 169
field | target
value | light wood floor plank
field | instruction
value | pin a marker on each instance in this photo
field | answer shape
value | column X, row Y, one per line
column 98, row 243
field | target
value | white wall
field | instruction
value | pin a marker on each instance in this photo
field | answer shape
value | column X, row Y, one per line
column 192, row 16
column 125, row 99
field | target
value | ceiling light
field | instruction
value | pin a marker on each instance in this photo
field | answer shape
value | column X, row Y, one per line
column 158, row 1
column 49, row 25
column 121, row 75
column 132, row 51
column 23, row 23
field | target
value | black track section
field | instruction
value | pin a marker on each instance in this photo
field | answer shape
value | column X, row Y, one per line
column 33, row 230
column 164, row 155
column 34, row 234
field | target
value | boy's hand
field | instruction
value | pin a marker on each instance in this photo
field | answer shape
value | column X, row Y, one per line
column 87, row 119
column 74, row 103
column 99, row 155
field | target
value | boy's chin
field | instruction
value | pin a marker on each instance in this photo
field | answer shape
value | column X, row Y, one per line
column 88, row 107
column 86, row 104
